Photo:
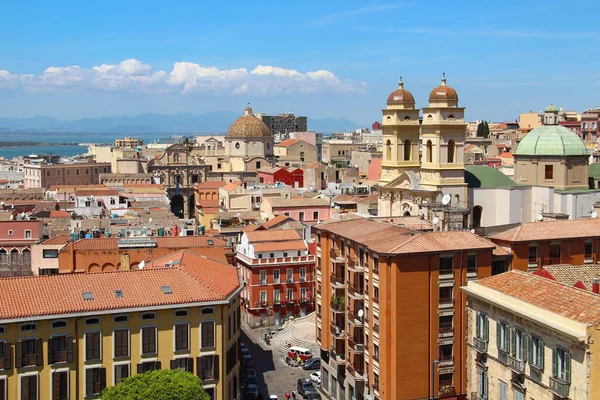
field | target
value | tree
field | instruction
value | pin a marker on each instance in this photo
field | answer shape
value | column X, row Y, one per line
column 158, row 385
column 483, row 129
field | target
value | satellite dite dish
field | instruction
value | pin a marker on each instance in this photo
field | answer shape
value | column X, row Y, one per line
column 539, row 217
column 421, row 212
column 446, row 199
column 142, row 264
column 435, row 220
column 360, row 313
column 472, row 230
column 594, row 214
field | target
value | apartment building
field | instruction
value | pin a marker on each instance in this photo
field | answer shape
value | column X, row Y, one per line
column 129, row 142
column 110, row 254
column 70, row 336
column 284, row 123
column 309, row 210
column 278, row 275
column 546, row 339
column 388, row 305
column 537, row 244
column 48, row 175
column 16, row 239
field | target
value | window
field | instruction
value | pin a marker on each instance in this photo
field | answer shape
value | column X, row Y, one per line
column 375, row 265
column 301, row 216
column 276, row 276
column 186, row 364
column 211, row 393
column 271, row 255
column 208, row 367
column 481, row 326
column 59, row 324
column 302, row 274
column 148, row 366
column 287, row 214
column 28, row 352
column 92, row 321
column 263, row 297
column 315, row 215
column 533, row 255
column 27, row 234
column 502, row 336
column 182, row 342
column 445, row 380
column 276, row 296
column 208, row 334
column 95, row 381
column 119, row 319
column 446, row 265
column 503, row 391
column 207, row 311
column 518, row 344
column 263, row 277
column 482, row 384
column 181, row 313
column 536, row 352
column 29, row 387
column 548, row 172
column 303, row 293
column 289, row 294
column 60, row 385
column 149, row 340
column 375, row 351
column 451, row 151
column 445, row 323
column 589, row 252
column 121, row 343
column 77, row 171
column 561, row 365
column 472, row 264
column 60, row 349
column 92, row 346
column 445, row 352
column 555, row 253
column 446, row 294
column 10, row 232
column 376, row 294
column 289, row 275
column 50, row 253
column 258, row 165
column 121, row 372
column 518, row 394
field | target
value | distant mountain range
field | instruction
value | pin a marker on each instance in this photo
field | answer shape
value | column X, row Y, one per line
column 210, row 122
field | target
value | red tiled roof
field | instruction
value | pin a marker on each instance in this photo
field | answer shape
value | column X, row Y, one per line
column 551, row 230
column 58, row 239
column 288, row 142
column 59, row 214
column 280, row 246
column 505, row 155
column 196, row 281
column 570, row 275
column 211, row 184
column 173, row 242
column 251, row 228
column 275, row 221
column 575, row 304
column 272, row 235
column 231, row 186
column 72, row 188
column 97, row 192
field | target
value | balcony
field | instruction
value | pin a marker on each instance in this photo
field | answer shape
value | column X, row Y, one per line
column 556, row 260
column 309, row 258
column 516, row 365
column 477, row 396
column 356, row 292
column 559, row 387
column 446, row 360
column 336, row 256
column 376, row 328
column 356, row 348
column 354, row 265
column 503, row 356
column 337, row 282
column 357, row 374
column 446, row 330
column 337, row 331
column 354, row 319
column 480, row 345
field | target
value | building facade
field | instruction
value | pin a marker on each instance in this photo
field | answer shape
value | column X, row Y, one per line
column 278, row 275
column 530, row 337
column 284, row 123
column 48, row 175
column 129, row 142
column 16, row 239
column 309, row 210
column 107, row 329
column 388, row 305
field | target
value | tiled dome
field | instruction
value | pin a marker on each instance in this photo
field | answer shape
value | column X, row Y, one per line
column 551, row 140
column 400, row 96
column 248, row 126
column 443, row 92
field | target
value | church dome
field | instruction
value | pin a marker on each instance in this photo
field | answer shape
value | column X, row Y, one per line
column 248, row 126
column 443, row 92
column 400, row 96
column 551, row 140
column 551, row 108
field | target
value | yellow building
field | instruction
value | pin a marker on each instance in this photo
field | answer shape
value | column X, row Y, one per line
column 129, row 142
column 69, row 336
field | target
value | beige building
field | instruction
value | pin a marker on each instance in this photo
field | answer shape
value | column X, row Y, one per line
column 235, row 197
column 552, row 155
column 362, row 158
column 295, row 152
column 530, row 120
column 339, row 151
column 44, row 255
column 531, row 337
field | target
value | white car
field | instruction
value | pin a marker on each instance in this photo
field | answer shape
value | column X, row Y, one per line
column 273, row 397
column 316, row 377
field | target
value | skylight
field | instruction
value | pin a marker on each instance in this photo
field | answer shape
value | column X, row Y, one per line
column 119, row 293
column 88, row 295
column 166, row 289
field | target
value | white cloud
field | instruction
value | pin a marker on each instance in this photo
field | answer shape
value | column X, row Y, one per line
column 132, row 75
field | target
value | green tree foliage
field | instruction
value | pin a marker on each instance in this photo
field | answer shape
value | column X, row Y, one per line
column 483, row 129
column 158, row 385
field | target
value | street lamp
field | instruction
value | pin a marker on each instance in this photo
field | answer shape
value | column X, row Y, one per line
column 433, row 363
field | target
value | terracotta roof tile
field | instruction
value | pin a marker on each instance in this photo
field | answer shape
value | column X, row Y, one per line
column 192, row 282
column 551, row 230
column 231, row 186
column 288, row 142
column 174, row 242
column 58, row 239
column 570, row 274
column 280, row 246
column 59, row 214
column 275, row 221
column 83, row 192
column 211, row 185
column 272, row 235
column 575, row 304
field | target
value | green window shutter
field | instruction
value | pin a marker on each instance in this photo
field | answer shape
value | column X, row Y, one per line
column 498, row 335
column 513, row 347
column 542, row 348
column 524, row 346
column 531, row 359
column 477, row 324
column 568, row 367
column 486, row 328
column 554, row 362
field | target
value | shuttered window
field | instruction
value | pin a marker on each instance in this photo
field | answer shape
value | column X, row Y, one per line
column 92, row 346
column 60, row 385
column 60, row 349
column 29, row 387
column 28, row 352
column 186, row 364
column 149, row 340
column 3, row 389
column 5, row 358
column 208, row 334
column 121, row 372
column 148, row 366
column 95, row 381
column 182, row 337
column 208, row 367
column 121, row 337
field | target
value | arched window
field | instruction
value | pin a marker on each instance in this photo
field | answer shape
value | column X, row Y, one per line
column 451, row 151
column 477, row 212
column 429, row 151
column 388, row 153
column 176, row 157
column 407, row 150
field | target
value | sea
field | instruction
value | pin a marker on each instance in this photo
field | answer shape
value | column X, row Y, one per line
column 66, row 151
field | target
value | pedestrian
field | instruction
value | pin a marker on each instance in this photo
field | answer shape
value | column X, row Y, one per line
column 294, row 394
column 287, row 395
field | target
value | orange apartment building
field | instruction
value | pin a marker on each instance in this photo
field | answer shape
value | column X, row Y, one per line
column 389, row 305
column 278, row 274
column 110, row 254
column 535, row 245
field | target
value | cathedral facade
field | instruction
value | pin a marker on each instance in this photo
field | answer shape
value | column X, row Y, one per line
column 423, row 162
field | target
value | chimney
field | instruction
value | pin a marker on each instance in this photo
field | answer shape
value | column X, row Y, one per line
column 596, row 285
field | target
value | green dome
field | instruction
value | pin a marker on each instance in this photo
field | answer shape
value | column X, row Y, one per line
column 551, row 140
column 551, row 108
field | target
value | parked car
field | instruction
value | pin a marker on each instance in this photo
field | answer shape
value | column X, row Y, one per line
column 243, row 347
column 273, row 397
column 252, row 390
column 252, row 381
column 305, row 388
column 316, row 377
column 250, row 372
column 313, row 396
column 246, row 354
column 294, row 352
column 313, row 363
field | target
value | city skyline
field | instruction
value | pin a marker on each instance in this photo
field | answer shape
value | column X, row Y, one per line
column 320, row 60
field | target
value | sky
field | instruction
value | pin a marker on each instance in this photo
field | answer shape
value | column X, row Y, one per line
column 76, row 59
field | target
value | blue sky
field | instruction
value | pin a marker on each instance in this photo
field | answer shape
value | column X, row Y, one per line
column 73, row 59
